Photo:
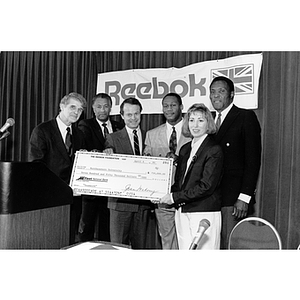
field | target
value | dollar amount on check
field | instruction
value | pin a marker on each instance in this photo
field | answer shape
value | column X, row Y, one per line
column 118, row 175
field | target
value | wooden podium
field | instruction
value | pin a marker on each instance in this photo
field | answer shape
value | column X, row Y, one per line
column 34, row 207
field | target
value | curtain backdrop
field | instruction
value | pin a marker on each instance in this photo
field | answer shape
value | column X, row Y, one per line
column 32, row 84
column 279, row 115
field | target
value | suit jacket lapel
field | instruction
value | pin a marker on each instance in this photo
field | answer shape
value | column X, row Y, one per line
column 114, row 125
column 231, row 116
column 98, row 131
column 143, row 139
column 182, row 140
column 162, row 137
column 184, row 164
column 125, row 140
column 196, row 156
column 58, row 140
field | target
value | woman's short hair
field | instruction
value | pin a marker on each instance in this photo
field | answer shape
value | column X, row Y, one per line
column 198, row 107
column 65, row 100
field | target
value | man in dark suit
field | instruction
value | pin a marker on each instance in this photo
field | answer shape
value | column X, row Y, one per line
column 129, row 219
column 95, row 131
column 239, row 135
column 55, row 142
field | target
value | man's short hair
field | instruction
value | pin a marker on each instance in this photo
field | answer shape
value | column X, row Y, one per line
column 65, row 100
column 102, row 95
column 132, row 101
column 175, row 95
column 226, row 79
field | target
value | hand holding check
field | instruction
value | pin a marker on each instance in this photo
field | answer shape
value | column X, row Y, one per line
column 108, row 151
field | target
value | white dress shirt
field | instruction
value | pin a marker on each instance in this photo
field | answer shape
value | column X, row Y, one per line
column 178, row 128
column 131, row 137
column 108, row 125
column 223, row 113
column 62, row 128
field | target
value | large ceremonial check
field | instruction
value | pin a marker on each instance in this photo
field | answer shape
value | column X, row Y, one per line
column 118, row 175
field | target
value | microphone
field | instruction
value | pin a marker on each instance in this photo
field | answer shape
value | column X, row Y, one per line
column 203, row 225
column 9, row 122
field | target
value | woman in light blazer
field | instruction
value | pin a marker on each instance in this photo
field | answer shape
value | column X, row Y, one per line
column 196, row 191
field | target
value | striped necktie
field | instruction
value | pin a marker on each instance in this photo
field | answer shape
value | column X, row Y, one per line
column 136, row 143
column 173, row 141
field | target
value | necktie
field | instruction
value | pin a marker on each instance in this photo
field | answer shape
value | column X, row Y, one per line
column 68, row 141
column 136, row 143
column 105, row 129
column 218, row 122
column 173, row 141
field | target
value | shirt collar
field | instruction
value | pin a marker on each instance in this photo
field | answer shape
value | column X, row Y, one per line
column 178, row 126
column 129, row 130
column 225, row 111
column 100, row 122
column 61, row 125
column 196, row 145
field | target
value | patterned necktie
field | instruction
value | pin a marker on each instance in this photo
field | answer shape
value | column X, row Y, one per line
column 105, row 130
column 136, row 143
column 68, row 141
column 218, row 122
column 173, row 141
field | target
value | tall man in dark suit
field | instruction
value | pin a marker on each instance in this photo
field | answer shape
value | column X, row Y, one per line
column 95, row 131
column 239, row 135
column 129, row 218
column 55, row 142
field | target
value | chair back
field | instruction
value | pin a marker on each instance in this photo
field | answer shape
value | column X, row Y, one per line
column 254, row 233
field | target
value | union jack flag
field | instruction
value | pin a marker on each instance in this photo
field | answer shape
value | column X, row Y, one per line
column 242, row 77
